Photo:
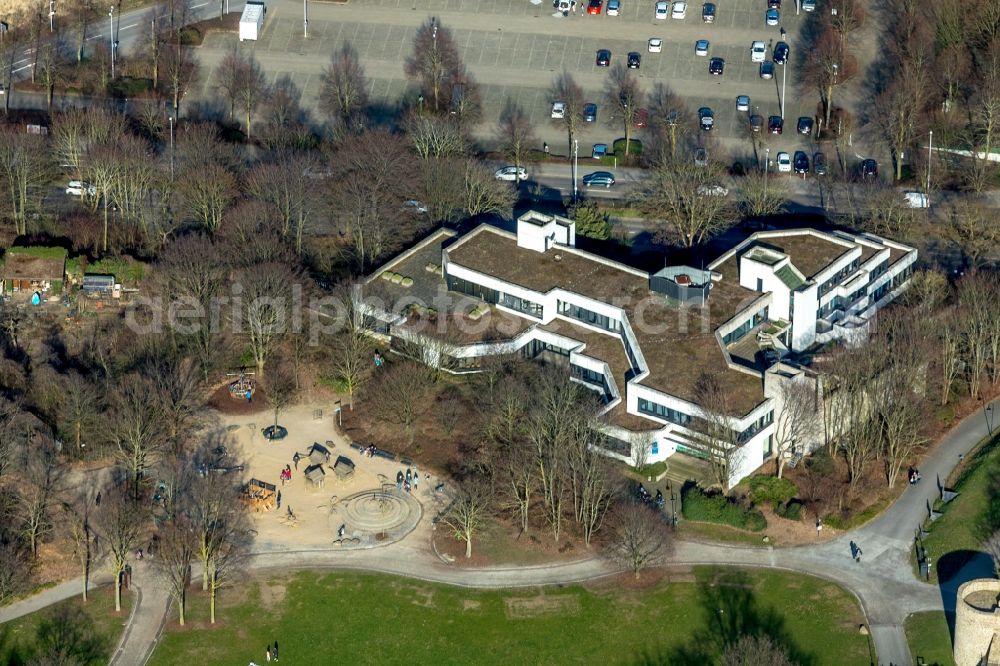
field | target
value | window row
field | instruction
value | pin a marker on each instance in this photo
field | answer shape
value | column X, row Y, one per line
column 666, row 413
column 588, row 316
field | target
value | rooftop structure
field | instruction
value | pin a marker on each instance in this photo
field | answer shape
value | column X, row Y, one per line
column 641, row 341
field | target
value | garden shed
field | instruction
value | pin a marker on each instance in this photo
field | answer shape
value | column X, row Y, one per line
column 34, row 269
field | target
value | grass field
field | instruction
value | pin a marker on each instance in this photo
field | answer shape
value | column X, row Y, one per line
column 325, row 618
column 86, row 632
column 960, row 529
column 930, row 638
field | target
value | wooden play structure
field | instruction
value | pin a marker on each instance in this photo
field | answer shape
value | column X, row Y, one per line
column 243, row 387
column 260, row 495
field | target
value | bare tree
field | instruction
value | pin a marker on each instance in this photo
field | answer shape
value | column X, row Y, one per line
column 344, row 89
column 41, row 481
column 977, row 298
column 11, row 47
column 119, row 523
column 137, row 427
column 515, row 133
column 624, row 97
column 436, row 65
column 719, row 439
column 971, row 226
column 762, row 196
column 566, row 90
column 77, row 517
column 176, row 550
column 435, row 136
column 900, row 108
column 675, row 198
column 467, row 514
column 669, row 123
column 206, row 191
column 266, row 314
column 399, row 393
column 25, row 170
column 103, row 162
column 640, row 538
column 14, row 571
column 232, row 540
column 353, row 346
column 51, row 62
column 797, row 420
column 756, row 651
column 295, row 198
column 591, row 480
column 887, row 213
column 180, row 68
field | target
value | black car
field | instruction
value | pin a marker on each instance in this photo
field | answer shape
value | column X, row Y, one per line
column 708, row 12
column 774, row 4
column 819, row 164
column 805, row 125
column 599, row 179
column 633, row 60
column 801, row 162
column 716, row 66
column 775, row 124
column 767, row 70
column 781, row 53
column 706, row 118
column 756, row 123
column 603, row 58
column 869, row 168
column 589, row 112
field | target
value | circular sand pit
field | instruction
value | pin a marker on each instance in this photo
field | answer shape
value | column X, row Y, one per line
column 374, row 517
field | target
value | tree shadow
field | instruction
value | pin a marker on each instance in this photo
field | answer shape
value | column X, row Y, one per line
column 730, row 610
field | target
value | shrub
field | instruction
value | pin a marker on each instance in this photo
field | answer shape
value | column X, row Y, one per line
column 791, row 510
column 717, row 508
column 772, row 490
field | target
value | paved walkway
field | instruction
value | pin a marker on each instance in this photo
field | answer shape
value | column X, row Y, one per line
column 883, row 581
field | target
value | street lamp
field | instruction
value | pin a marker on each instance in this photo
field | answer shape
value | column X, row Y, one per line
column 784, row 75
column 673, row 508
column 111, row 37
column 930, row 146
column 988, row 413
column 576, row 156
column 52, row 14
column 767, row 166
column 171, row 147
column 305, row 18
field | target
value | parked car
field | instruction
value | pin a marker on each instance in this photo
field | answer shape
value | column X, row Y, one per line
column 634, row 59
column 767, row 70
column 775, row 124
column 603, row 58
column 917, row 200
column 712, row 190
column 701, row 47
column 614, row 6
column 774, row 4
column 869, row 168
column 756, row 123
column 819, row 164
column 599, row 150
column 79, row 188
column 679, row 11
column 660, row 10
column 781, row 53
column 655, row 45
column 589, row 112
column 706, row 118
column 708, row 12
column 801, row 162
column 414, row 206
column 804, row 126
column 599, row 179
column 808, row 5
column 743, row 102
column 758, row 51
column 784, row 162
column 594, row 7
column 511, row 173
column 558, row 109
column 641, row 119
column 716, row 66
column 772, row 17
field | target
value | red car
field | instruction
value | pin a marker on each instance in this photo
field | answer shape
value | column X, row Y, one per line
column 594, row 7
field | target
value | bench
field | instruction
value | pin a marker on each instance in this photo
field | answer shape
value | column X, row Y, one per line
column 382, row 453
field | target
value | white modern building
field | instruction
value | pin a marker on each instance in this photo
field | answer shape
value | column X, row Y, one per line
column 641, row 340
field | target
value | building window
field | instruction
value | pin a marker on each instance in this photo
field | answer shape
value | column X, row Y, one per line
column 757, row 426
column 738, row 333
column 671, row 415
column 760, row 284
column 587, row 375
column 521, row 305
column 588, row 316
column 463, row 286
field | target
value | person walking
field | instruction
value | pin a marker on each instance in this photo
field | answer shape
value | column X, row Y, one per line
column 267, row 653
column 275, row 651
column 295, row 459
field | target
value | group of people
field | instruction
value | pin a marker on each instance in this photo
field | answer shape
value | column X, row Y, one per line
column 646, row 498
column 408, row 481
column 286, row 474
column 379, row 360
column 367, row 451
column 915, row 476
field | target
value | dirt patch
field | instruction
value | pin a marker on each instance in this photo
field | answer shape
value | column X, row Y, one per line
column 222, row 402
column 272, row 594
column 522, row 608
column 470, row 605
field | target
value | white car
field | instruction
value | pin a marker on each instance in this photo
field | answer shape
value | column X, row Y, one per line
column 917, row 200
column 701, row 47
column 414, row 206
column 743, row 102
column 758, row 52
column 712, row 190
column 679, row 11
column 558, row 109
column 614, row 7
column 511, row 173
column 660, row 11
column 78, row 188
column 655, row 45
column 784, row 163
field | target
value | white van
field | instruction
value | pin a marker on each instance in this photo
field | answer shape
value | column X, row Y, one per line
column 917, row 200
column 78, row 188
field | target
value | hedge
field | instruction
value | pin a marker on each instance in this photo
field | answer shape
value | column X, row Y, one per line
column 772, row 490
column 717, row 508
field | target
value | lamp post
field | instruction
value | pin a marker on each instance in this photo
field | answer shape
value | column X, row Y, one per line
column 988, row 413
column 576, row 156
column 930, row 147
column 767, row 166
column 784, row 75
column 52, row 15
column 171, row 147
column 305, row 18
column 673, row 507
column 111, row 38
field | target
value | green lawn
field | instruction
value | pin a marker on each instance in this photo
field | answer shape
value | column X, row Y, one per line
column 340, row 617
column 961, row 525
column 930, row 639
column 87, row 632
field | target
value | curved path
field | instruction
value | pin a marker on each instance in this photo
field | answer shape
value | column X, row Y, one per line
column 883, row 582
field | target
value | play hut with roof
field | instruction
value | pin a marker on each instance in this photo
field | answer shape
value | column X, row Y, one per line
column 31, row 270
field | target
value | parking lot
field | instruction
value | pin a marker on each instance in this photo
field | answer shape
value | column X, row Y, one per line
column 515, row 49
